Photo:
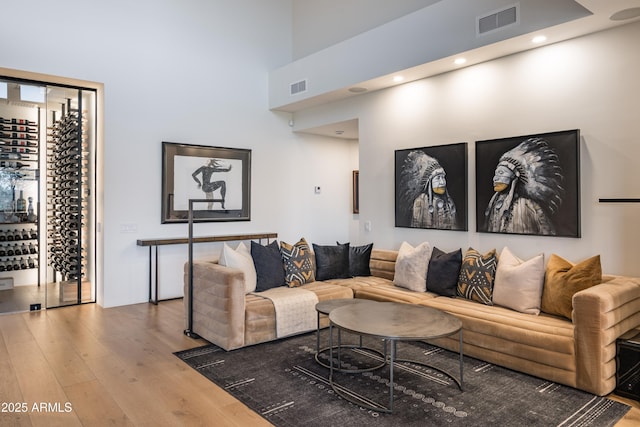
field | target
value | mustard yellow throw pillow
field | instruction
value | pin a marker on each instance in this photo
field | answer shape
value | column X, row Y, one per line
column 563, row 279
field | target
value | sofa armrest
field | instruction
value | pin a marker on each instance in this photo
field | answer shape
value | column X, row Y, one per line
column 601, row 314
column 218, row 303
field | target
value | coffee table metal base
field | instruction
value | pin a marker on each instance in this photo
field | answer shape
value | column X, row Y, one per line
column 341, row 346
column 391, row 360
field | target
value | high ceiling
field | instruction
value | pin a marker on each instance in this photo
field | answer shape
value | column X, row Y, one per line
column 604, row 14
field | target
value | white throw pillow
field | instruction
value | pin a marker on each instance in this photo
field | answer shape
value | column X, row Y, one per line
column 411, row 266
column 518, row 284
column 240, row 258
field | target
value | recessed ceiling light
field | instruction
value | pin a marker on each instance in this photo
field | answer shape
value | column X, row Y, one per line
column 625, row 14
column 357, row 89
column 339, row 132
column 539, row 39
column 398, row 79
column 460, row 61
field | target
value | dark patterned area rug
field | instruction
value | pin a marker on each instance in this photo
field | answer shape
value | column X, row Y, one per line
column 282, row 381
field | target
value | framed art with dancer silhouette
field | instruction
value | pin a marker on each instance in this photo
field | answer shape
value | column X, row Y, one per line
column 529, row 184
column 221, row 176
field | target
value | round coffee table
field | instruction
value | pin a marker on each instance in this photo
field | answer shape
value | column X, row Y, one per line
column 325, row 307
column 392, row 322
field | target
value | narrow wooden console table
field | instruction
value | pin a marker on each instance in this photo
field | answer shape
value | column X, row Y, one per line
column 154, row 243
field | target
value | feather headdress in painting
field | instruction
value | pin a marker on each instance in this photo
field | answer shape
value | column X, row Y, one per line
column 538, row 172
column 415, row 178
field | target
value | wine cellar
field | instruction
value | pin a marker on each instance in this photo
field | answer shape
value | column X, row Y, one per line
column 47, row 181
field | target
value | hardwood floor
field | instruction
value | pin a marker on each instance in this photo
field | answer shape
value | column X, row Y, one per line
column 89, row 366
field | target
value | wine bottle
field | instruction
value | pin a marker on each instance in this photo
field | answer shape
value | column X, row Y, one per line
column 33, row 233
column 32, row 248
column 9, row 236
column 23, row 264
column 16, row 165
column 10, row 156
column 21, row 203
column 31, row 263
column 3, row 251
column 10, row 251
column 2, row 266
column 17, row 235
column 16, row 264
column 22, row 122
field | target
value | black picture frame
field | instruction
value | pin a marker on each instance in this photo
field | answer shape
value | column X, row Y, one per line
column 410, row 183
column 552, row 205
column 356, row 191
column 189, row 170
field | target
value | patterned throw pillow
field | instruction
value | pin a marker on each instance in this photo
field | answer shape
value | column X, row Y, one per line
column 299, row 264
column 477, row 275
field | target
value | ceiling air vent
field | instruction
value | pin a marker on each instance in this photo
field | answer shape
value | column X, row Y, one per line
column 298, row 87
column 498, row 19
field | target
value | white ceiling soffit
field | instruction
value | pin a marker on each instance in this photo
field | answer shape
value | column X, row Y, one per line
column 424, row 43
column 347, row 129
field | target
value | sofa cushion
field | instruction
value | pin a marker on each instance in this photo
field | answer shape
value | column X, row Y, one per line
column 387, row 291
column 299, row 264
column 541, row 343
column 477, row 274
column 443, row 272
column 260, row 315
column 563, row 279
column 519, row 283
column 332, row 262
column 240, row 258
column 269, row 266
column 411, row 266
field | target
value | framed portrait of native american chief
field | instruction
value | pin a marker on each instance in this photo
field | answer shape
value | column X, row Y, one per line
column 431, row 187
column 529, row 184
column 220, row 177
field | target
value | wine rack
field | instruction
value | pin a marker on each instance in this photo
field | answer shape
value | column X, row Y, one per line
column 67, row 194
column 19, row 173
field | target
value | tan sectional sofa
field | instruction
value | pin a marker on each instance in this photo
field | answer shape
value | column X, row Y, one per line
column 579, row 353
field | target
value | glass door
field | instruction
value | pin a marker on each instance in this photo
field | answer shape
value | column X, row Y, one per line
column 21, row 142
column 70, row 190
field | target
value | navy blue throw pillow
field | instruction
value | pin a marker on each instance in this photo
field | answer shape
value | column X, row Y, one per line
column 442, row 275
column 269, row 265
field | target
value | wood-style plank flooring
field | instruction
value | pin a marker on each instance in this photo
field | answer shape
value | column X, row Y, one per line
column 89, row 366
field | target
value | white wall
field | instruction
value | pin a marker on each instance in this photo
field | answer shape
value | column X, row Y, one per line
column 190, row 71
column 589, row 83
column 346, row 18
